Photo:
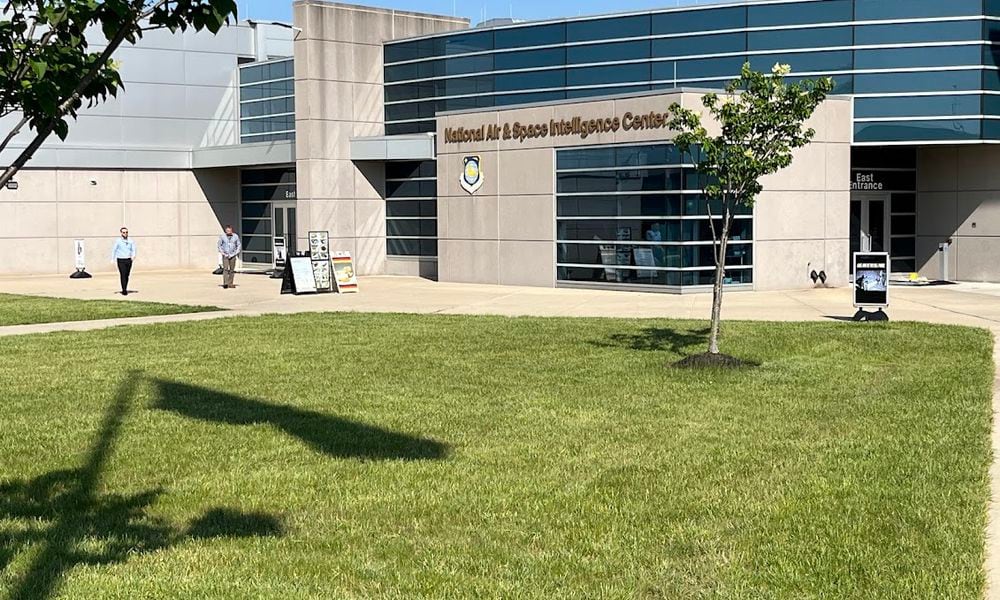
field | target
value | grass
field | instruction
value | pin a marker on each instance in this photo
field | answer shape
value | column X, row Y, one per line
column 26, row 310
column 361, row 456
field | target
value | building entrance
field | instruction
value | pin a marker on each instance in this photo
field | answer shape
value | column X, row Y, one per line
column 870, row 222
column 284, row 224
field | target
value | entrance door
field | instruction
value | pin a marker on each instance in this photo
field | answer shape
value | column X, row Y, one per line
column 284, row 224
column 869, row 223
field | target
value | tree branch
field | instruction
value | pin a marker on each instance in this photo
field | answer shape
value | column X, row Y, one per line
column 43, row 133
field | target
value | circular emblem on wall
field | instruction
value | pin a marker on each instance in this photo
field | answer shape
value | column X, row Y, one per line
column 472, row 174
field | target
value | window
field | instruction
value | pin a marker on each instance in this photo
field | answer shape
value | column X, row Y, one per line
column 819, row 37
column 411, row 208
column 635, row 215
column 267, row 102
column 593, row 53
column 899, row 33
column 891, row 58
column 699, row 20
column 705, row 44
column 948, row 130
column 871, row 10
column 931, row 81
column 916, row 106
column 828, row 11
column 605, row 28
column 538, row 35
column 530, row 58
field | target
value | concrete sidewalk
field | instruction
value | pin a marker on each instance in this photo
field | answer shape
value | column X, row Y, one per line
column 967, row 304
column 962, row 304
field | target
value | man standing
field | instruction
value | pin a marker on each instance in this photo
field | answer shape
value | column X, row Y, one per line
column 124, row 252
column 229, row 248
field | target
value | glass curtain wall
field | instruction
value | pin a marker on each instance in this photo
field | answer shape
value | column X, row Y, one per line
column 267, row 101
column 411, row 208
column 635, row 215
column 920, row 69
column 260, row 189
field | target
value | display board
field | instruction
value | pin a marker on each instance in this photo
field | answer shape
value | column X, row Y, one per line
column 323, row 275
column 344, row 275
column 78, row 255
column 299, row 278
column 319, row 245
column 871, row 279
column 280, row 254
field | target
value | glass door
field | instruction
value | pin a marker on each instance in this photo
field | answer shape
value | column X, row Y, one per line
column 869, row 223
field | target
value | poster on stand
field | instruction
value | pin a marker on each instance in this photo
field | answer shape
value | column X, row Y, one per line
column 78, row 254
column 302, row 275
column 871, row 279
column 343, row 271
column 280, row 254
column 319, row 245
column 322, row 275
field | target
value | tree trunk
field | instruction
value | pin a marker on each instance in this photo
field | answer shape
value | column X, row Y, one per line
column 720, row 274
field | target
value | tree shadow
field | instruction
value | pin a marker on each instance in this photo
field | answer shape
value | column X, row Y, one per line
column 333, row 436
column 657, row 339
column 65, row 514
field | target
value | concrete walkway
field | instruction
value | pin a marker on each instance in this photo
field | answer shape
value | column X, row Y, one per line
column 963, row 304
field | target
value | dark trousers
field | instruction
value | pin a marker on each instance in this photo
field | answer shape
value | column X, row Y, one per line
column 124, row 268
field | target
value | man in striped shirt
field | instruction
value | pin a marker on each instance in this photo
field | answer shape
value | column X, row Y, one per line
column 229, row 248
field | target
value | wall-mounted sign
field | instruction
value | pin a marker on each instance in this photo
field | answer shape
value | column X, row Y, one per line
column 472, row 174
column 871, row 279
column 577, row 126
column 343, row 272
column 874, row 180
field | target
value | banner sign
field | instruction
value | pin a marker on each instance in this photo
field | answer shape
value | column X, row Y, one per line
column 78, row 255
column 302, row 278
column 871, row 279
column 344, row 276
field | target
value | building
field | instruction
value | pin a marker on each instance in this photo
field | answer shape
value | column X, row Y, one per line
column 361, row 122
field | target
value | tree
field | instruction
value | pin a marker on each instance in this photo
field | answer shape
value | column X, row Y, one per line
column 762, row 121
column 47, row 70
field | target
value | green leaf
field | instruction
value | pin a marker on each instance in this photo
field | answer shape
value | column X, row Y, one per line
column 39, row 68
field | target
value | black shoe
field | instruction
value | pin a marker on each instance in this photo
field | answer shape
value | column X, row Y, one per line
column 225, row 287
column 124, row 292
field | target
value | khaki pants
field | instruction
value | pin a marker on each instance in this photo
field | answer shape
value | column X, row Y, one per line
column 228, row 270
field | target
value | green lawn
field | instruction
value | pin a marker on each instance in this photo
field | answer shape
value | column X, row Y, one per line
column 24, row 310
column 361, row 456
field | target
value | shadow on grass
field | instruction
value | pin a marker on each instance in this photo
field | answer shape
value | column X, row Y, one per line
column 330, row 435
column 65, row 517
column 658, row 339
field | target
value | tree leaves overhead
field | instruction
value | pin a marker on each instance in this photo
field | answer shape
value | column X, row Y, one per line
column 53, row 58
column 762, row 120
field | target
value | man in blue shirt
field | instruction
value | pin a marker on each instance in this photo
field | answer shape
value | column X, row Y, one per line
column 229, row 248
column 123, row 252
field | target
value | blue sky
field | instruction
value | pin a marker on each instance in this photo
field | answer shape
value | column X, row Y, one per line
column 281, row 10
